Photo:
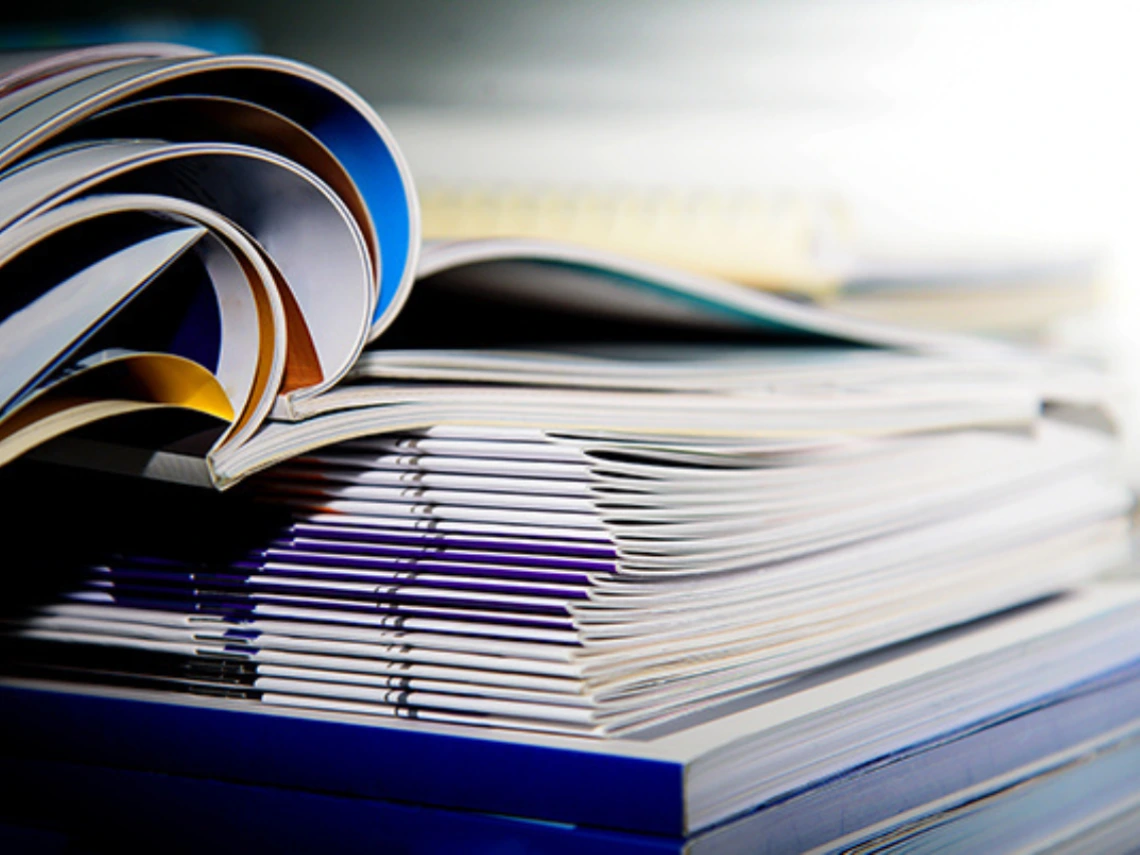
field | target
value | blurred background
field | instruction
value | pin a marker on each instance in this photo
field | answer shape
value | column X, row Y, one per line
column 969, row 165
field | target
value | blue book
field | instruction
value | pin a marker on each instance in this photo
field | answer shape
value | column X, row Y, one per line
column 1064, row 796
column 864, row 742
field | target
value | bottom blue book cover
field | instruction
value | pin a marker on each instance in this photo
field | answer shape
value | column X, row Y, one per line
column 62, row 807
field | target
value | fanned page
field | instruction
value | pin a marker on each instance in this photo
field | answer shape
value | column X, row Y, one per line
column 519, row 334
column 249, row 222
column 570, row 583
column 247, row 215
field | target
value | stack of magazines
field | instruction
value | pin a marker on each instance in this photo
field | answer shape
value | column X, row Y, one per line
column 505, row 542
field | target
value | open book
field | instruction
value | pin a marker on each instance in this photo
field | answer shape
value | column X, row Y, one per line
column 239, row 237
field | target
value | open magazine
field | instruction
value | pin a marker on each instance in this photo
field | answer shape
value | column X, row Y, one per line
column 238, row 236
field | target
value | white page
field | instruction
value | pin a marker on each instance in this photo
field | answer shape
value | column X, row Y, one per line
column 32, row 339
column 348, row 658
column 693, row 367
column 308, row 233
column 500, row 617
column 270, row 364
column 398, row 477
column 433, row 525
column 339, row 684
column 553, row 648
column 413, row 623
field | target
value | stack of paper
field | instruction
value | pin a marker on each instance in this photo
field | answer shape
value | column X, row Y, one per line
column 597, row 584
column 1017, row 731
column 550, row 503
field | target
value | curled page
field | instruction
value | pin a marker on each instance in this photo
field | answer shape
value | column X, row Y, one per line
column 247, row 213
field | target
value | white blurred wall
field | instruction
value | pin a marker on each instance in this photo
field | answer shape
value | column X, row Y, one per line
column 1012, row 118
column 946, row 123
